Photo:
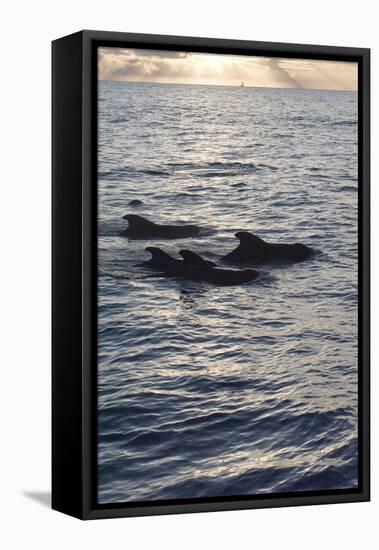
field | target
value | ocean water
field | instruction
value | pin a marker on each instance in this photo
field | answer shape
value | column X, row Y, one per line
column 208, row 391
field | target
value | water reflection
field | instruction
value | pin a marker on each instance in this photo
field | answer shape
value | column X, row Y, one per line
column 205, row 390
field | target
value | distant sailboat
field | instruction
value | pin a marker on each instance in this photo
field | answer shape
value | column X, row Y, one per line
column 242, row 84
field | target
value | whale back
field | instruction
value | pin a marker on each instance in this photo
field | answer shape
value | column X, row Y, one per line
column 159, row 255
column 141, row 228
column 135, row 202
column 137, row 222
column 193, row 259
column 250, row 240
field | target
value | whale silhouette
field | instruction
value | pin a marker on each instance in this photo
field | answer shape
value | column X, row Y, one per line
column 162, row 261
column 195, row 268
column 140, row 228
column 135, row 202
column 253, row 249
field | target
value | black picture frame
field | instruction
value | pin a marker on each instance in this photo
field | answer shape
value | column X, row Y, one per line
column 74, row 269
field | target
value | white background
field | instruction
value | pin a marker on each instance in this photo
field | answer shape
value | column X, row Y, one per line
column 27, row 29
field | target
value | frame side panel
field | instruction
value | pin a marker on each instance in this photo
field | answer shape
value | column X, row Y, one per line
column 67, row 275
column 365, row 276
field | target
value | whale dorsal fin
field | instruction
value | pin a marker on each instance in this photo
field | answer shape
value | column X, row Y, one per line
column 137, row 221
column 247, row 238
column 191, row 258
column 158, row 253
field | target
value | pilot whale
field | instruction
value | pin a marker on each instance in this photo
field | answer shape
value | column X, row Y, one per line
column 253, row 249
column 160, row 259
column 164, row 262
column 141, row 228
column 135, row 202
column 195, row 268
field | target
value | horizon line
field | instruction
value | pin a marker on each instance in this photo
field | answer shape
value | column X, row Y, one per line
column 225, row 85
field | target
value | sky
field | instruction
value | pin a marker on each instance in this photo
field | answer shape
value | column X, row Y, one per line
column 136, row 65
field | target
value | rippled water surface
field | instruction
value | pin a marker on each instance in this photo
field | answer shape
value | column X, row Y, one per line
column 213, row 391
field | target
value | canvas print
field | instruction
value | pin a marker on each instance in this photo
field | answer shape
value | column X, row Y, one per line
column 227, row 276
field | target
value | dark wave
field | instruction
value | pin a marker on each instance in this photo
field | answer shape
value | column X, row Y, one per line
column 344, row 123
column 185, row 439
column 348, row 189
column 201, row 170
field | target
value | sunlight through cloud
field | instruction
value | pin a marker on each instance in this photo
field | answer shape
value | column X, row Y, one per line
column 132, row 65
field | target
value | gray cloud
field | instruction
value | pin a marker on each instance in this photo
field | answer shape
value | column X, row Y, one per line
column 129, row 52
column 281, row 74
column 137, row 68
column 165, row 54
